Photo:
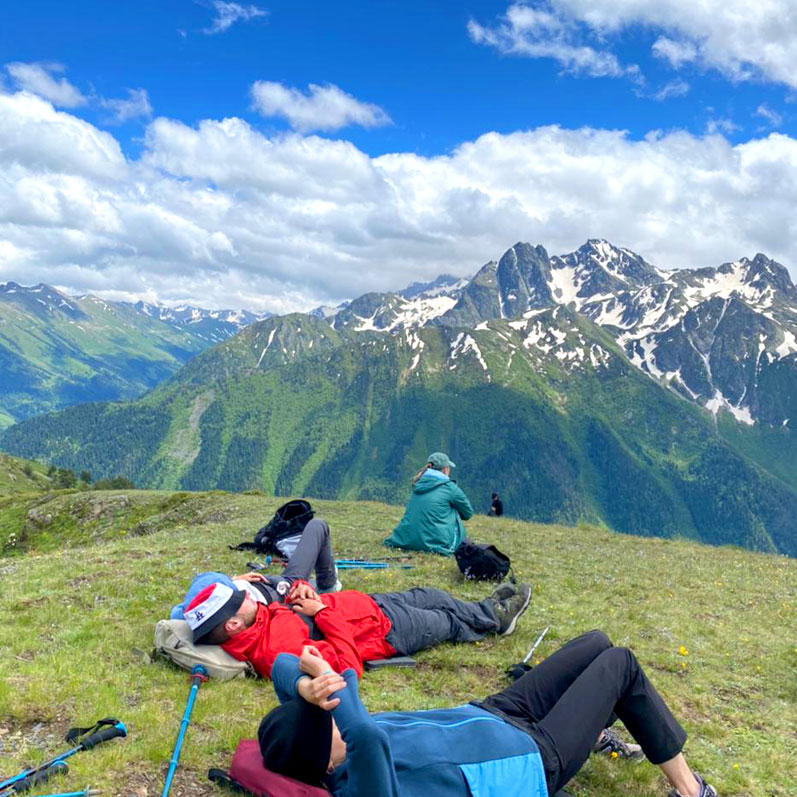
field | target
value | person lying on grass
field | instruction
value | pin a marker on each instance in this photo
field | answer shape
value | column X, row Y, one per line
column 348, row 627
column 307, row 551
column 529, row 738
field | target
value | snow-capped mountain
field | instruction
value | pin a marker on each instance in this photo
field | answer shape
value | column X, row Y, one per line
column 725, row 338
column 212, row 326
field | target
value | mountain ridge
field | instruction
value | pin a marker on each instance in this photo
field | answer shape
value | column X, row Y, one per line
column 57, row 350
column 640, row 407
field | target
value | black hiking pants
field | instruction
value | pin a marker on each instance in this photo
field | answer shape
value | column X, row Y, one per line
column 423, row 617
column 567, row 699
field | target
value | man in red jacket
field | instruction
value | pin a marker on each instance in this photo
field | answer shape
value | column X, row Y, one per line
column 347, row 627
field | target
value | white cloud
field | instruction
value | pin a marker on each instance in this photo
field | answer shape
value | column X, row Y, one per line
column 136, row 105
column 724, row 126
column 677, row 53
column 38, row 79
column 675, row 88
column 222, row 215
column 770, row 115
column 227, row 14
column 542, row 33
column 743, row 40
column 322, row 108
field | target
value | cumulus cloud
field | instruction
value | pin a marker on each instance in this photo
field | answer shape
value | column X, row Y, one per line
column 38, row 79
column 227, row 14
column 135, row 106
column 542, row 32
column 221, row 215
column 738, row 38
column 322, row 108
column 769, row 115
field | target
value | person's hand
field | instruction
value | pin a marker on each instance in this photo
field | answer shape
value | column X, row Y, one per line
column 323, row 680
column 317, row 690
column 302, row 591
column 307, row 606
column 250, row 577
column 312, row 662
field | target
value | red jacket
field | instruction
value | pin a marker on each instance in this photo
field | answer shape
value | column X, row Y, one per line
column 354, row 630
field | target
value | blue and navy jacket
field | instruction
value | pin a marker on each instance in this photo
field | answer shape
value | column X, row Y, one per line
column 454, row 752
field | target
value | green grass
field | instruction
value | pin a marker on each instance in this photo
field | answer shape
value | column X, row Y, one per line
column 78, row 606
column 21, row 476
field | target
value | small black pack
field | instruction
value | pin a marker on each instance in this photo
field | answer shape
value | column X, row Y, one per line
column 288, row 521
column 481, row 562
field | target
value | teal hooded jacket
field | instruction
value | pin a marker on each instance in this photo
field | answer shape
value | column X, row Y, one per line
column 433, row 518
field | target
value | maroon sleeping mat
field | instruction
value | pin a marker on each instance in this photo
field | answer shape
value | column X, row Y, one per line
column 247, row 768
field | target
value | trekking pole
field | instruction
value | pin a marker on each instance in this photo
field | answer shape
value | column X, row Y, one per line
column 536, row 644
column 365, row 564
column 198, row 676
column 82, row 793
column 58, row 768
column 110, row 729
column 519, row 670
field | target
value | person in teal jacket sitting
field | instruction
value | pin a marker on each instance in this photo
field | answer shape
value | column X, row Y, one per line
column 433, row 518
column 531, row 738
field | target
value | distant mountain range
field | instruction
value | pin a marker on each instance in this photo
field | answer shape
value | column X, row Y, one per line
column 58, row 350
column 586, row 387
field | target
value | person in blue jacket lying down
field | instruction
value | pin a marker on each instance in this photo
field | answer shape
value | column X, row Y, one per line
column 529, row 739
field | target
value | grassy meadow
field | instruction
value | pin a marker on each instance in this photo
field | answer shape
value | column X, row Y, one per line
column 85, row 576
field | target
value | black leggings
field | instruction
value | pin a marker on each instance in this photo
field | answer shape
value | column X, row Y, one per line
column 568, row 698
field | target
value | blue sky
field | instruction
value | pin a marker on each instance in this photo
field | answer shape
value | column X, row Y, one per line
column 416, row 60
column 370, row 144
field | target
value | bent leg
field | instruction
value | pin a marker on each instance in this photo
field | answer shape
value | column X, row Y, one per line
column 531, row 697
column 613, row 682
column 313, row 552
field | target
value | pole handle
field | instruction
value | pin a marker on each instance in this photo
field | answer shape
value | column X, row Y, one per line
column 37, row 778
column 106, row 734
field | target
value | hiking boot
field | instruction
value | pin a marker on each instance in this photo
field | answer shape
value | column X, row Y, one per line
column 336, row 587
column 705, row 789
column 609, row 743
column 509, row 609
column 504, row 591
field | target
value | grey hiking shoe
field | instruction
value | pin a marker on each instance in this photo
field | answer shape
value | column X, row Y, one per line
column 609, row 743
column 504, row 591
column 509, row 609
column 705, row 789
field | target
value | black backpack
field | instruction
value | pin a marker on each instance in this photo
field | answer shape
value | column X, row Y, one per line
column 288, row 521
column 482, row 562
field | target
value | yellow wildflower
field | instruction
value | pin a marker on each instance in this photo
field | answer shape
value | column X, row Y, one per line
column 682, row 651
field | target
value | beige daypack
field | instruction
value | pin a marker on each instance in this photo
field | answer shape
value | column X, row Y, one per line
column 173, row 641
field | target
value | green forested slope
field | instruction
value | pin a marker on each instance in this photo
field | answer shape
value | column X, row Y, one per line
column 291, row 405
column 94, row 571
column 56, row 351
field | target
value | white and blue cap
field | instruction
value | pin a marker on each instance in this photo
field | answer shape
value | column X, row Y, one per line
column 213, row 606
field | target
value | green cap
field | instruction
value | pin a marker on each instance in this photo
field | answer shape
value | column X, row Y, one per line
column 439, row 460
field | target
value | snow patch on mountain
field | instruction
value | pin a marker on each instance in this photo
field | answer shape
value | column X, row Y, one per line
column 461, row 345
column 564, row 284
column 719, row 402
column 789, row 345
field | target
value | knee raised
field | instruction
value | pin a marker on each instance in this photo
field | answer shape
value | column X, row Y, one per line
column 599, row 640
column 620, row 658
